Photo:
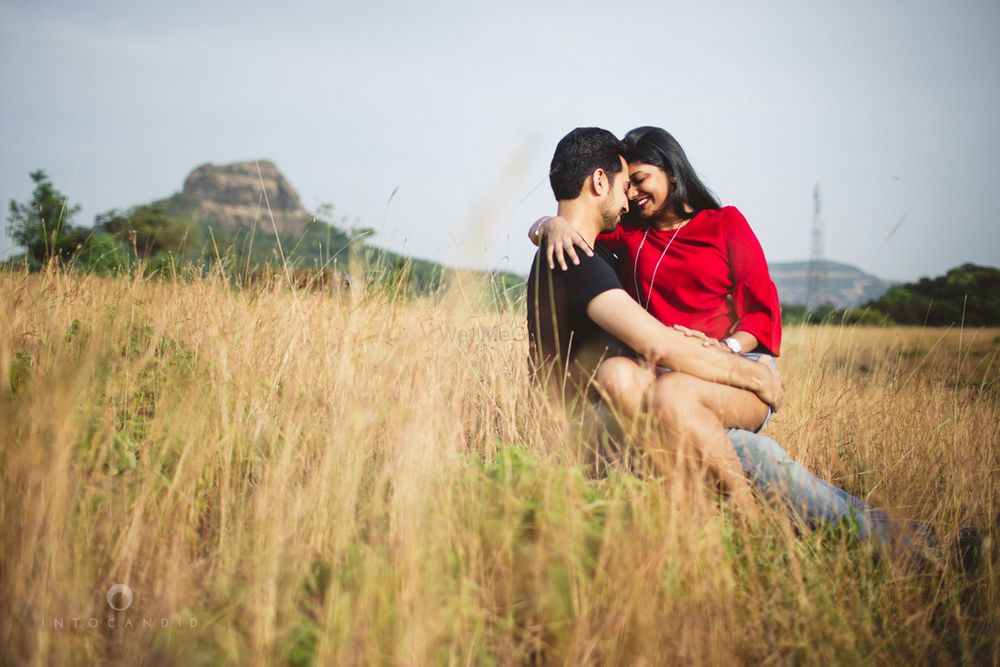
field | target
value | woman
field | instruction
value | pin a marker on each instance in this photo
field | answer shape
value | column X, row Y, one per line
column 687, row 261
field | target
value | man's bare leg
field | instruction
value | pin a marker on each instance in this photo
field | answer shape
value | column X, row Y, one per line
column 626, row 383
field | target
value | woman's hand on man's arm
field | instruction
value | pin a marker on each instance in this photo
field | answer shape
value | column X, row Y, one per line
column 700, row 336
column 561, row 240
column 747, row 341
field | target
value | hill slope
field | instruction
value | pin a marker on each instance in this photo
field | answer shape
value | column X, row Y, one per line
column 846, row 286
column 227, row 204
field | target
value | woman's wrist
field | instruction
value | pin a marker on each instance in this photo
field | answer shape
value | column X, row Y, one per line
column 538, row 227
column 733, row 344
column 747, row 341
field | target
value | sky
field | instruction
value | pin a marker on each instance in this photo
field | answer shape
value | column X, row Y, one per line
column 890, row 107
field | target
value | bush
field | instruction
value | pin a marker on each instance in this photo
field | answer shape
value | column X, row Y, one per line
column 148, row 230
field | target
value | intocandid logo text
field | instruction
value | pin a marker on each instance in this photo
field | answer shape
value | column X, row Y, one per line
column 119, row 598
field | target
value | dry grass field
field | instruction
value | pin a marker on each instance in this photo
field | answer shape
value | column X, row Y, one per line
column 290, row 477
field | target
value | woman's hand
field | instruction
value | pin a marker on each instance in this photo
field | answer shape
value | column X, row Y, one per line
column 560, row 239
column 705, row 340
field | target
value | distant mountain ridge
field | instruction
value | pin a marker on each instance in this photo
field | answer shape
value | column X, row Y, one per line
column 847, row 286
column 229, row 200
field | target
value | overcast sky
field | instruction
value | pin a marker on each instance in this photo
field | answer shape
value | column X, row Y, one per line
column 890, row 106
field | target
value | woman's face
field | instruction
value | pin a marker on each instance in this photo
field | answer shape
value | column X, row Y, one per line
column 648, row 190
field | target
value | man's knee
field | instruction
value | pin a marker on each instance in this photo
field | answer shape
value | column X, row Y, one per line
column 619, row 377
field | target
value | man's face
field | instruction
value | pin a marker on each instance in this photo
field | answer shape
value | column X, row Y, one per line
column 615, row 203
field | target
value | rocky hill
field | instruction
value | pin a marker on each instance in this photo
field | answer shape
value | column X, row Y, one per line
column 846, row 286
column 226, row 206
column 231, row 198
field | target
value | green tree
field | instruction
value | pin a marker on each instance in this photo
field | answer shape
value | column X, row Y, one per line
column 44, row 227
column 43, row 224
column 968, row 294
column 101, row 253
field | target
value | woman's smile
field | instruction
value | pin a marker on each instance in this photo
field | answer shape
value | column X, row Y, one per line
column 649, row 187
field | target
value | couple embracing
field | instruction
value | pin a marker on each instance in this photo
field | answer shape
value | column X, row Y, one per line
column 650, row 298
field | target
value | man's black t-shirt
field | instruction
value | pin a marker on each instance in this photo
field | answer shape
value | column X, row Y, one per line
column 562, row 339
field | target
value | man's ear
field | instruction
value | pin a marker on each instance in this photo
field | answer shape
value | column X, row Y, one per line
column 599, row 182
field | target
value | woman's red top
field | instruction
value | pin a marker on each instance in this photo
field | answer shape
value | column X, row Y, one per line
column 712, row 278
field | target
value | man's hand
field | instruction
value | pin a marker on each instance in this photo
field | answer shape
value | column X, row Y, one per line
column 560, row 239
column 773, row 390
column 705, row 340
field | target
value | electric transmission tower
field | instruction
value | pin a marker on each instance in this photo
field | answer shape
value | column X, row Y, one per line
column 816, row 282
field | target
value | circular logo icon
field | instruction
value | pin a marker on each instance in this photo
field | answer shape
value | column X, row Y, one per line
column 119, row 597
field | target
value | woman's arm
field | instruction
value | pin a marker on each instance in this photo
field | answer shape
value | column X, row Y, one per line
column 535, row 231
column 755, row 298
column 561, row 239
column 616, row 312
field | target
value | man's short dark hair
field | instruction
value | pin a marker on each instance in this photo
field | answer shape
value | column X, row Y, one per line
column 578, row 155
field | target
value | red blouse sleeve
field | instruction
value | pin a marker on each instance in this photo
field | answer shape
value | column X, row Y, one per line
column 755, row 298
column 614, row 240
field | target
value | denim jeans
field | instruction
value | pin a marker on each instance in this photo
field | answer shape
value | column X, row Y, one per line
column 812, row 499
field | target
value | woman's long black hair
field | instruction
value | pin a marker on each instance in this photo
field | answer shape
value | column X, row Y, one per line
column 656, row 146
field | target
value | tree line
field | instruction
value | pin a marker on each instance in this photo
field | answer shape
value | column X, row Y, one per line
column 162, row 239
column 44, row 226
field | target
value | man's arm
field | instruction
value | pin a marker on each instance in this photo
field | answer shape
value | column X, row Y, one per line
column 616, row 312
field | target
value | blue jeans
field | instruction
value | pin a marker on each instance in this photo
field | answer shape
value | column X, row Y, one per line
column 812, row 499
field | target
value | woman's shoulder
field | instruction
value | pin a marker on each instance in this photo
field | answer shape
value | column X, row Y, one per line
column 724, row 221
column 724, row 215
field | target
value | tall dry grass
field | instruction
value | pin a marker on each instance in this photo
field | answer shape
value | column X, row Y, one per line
column 284, row 477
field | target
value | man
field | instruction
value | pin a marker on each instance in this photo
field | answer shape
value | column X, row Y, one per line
column 578, row 317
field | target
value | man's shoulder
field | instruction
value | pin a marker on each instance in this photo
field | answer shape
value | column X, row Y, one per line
column 604, row 259
column 607, row 254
